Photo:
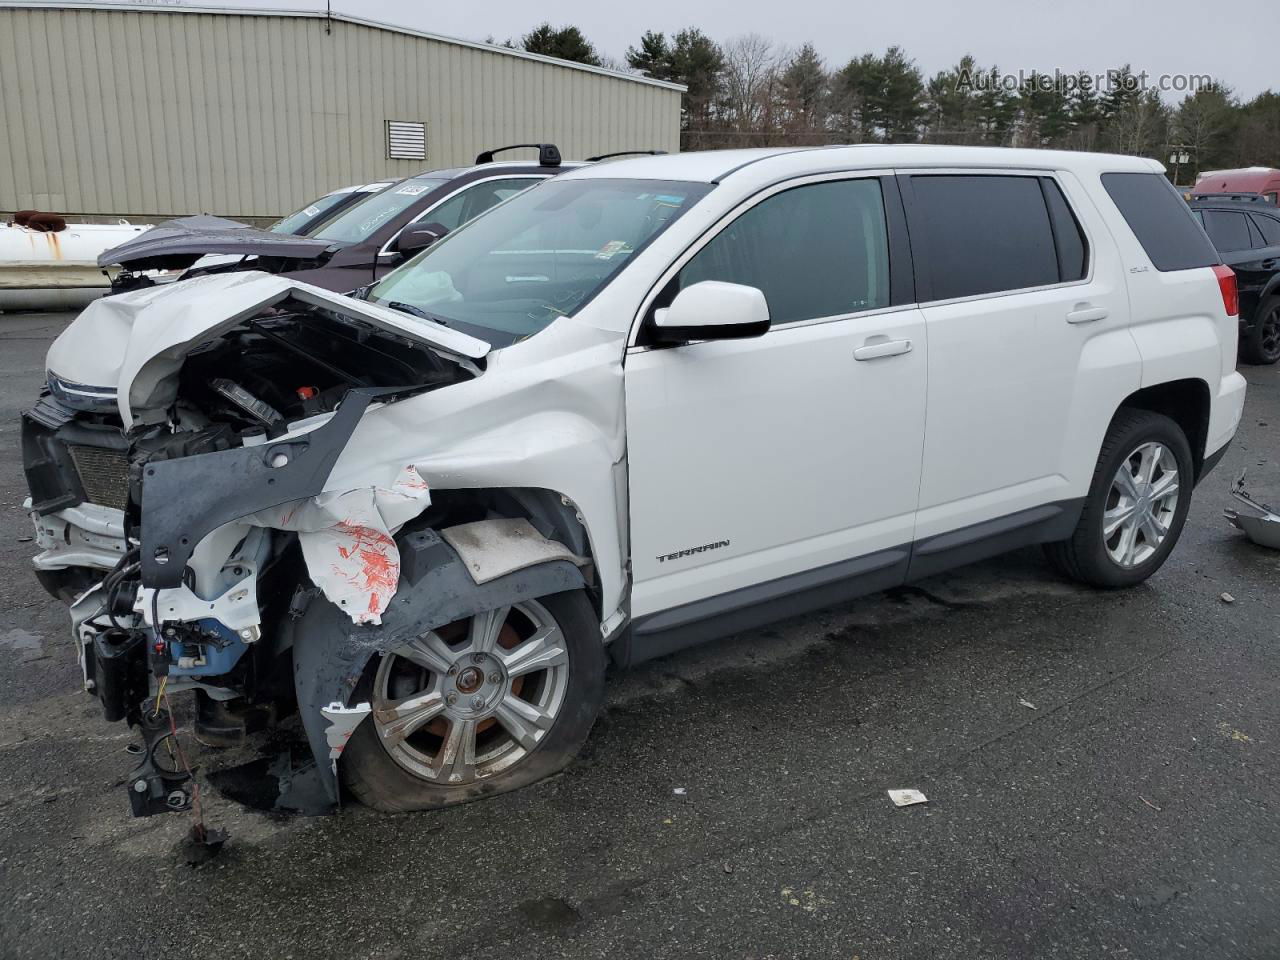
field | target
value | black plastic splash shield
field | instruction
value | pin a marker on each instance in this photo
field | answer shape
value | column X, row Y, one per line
column 186, row 498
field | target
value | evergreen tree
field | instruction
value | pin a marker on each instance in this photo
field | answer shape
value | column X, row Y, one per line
column 564, row 43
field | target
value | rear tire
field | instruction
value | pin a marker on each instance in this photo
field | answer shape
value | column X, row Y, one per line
column 1136, row 506
column 474, row 709
column 1262, row 344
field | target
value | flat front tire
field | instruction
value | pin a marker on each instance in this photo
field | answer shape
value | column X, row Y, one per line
column 1136, row 506
column 478, row 707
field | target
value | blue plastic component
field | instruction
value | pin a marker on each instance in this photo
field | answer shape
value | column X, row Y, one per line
column 218, row 660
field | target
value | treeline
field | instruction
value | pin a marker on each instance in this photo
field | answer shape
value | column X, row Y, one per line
column 751, row 92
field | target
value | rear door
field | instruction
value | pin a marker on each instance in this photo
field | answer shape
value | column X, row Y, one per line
column 794, row 456
column 1025, row 307
column 1244, row 249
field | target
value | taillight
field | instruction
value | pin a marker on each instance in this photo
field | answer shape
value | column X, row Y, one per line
column 1227, row 284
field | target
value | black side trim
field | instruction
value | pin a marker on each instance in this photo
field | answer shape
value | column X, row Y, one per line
column 667, row 631
column 902, row 275
column 670, row 630
column 1042, row 524
column 1212, row 460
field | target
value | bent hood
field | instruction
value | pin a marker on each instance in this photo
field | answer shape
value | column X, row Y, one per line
column 136, row 342
column 181, row 242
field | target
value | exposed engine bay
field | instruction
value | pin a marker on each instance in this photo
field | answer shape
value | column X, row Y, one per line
column 181, row 528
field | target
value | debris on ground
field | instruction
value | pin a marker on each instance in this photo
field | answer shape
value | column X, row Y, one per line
column 201, row 844
column 680, row 791
column 907, row 798
column 1260, row 523
column 1227, row 598
column 1027, row 703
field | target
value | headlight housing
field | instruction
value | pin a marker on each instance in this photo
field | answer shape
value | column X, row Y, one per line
column 81, row 396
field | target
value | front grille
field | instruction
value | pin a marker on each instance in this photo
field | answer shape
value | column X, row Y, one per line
column 104, row 474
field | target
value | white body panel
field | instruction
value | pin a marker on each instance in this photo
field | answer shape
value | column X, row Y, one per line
column 784, row 446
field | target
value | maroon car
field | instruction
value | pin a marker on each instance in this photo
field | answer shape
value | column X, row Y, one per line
column 349, row 250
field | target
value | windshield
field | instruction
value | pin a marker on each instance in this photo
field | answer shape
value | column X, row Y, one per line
column 357, row 223
column 298, row 221
column 540, row 255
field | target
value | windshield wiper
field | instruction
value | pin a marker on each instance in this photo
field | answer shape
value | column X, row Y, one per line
column 413, row 311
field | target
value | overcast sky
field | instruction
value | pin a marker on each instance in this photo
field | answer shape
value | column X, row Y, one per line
column 1236, row 42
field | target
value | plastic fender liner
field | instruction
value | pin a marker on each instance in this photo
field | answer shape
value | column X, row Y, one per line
column 330, row 652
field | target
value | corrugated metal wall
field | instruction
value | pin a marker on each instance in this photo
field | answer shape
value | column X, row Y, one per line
column 164, row 113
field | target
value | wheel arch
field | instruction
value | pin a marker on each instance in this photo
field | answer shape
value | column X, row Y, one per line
column 1186, row 402
column 330, row 653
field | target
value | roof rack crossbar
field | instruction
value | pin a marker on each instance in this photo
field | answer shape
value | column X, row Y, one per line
column 627, row 153
column 548, row 153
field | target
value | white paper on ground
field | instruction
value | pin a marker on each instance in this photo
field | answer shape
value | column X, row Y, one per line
column 905, row 798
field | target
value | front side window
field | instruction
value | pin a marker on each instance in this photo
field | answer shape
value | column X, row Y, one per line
column 358, row 223
column 818, row 250
column 1229, row 231
column 542, row 255
column 985, row 234
column 475, row 200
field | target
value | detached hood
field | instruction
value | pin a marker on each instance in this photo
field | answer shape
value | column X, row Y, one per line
column 136, row 342
column 179, row 243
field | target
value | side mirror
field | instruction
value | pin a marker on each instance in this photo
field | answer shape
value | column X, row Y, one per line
column 416, row 237
column 712, row 310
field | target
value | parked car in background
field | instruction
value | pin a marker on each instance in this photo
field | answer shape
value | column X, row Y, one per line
column 1260, row 181
column 351, row 249
column 303, row 222
column 646, row 404
column 1246, row 231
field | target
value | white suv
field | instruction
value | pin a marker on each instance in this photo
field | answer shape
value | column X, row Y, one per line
column 643, row 404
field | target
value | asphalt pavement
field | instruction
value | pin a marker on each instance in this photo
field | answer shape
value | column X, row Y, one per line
column 1101, row 772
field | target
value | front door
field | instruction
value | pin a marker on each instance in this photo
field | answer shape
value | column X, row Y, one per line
column 755, row 460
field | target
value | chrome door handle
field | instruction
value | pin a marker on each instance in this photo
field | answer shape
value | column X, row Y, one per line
column 882, row 348
column 1083, row 313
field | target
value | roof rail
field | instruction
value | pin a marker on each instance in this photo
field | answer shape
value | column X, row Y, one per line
column 627, row 153
column 548, row 153
column 1251, row 197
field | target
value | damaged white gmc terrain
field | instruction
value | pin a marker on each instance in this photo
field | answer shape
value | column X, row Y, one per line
column 643, row 404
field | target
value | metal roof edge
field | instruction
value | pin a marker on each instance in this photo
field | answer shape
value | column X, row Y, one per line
column 159, row 6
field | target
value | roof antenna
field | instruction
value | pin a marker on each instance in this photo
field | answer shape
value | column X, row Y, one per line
column 328, row 16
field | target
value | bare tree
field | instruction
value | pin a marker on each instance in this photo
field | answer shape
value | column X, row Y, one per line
column 750, row 83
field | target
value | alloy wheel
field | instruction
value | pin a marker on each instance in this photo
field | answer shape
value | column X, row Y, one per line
column 1141, row 504
column 469, row 700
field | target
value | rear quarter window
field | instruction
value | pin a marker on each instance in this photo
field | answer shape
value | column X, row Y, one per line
column 1269, row 227
column 1161, row 220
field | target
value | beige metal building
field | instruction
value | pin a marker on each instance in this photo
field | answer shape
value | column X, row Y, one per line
column 151, row 111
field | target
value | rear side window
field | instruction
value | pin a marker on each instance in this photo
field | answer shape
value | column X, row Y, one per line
column 1269, row 227
column 819, row 250
column 1229, row 231
column 985, row 234
column 1161, row 221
